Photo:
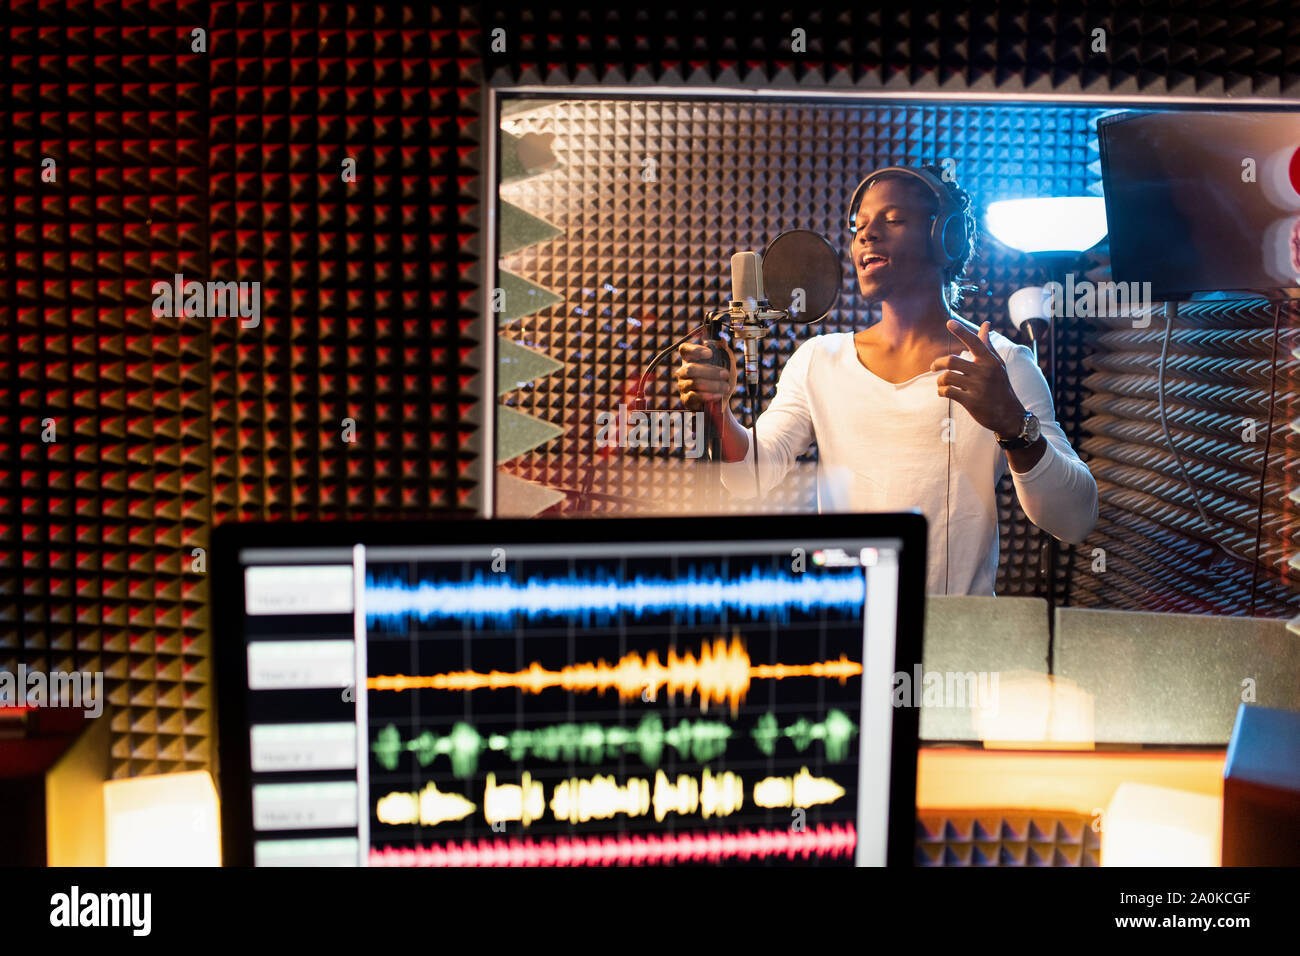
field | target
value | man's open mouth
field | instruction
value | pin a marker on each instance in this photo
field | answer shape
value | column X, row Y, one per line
column 870, row 262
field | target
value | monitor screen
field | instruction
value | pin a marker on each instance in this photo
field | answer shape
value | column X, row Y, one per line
column 658, row 701
column 1203, row 202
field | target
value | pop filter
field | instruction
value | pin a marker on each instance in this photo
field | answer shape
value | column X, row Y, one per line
column 801, row 259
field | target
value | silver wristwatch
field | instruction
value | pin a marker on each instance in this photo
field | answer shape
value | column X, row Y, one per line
column 1029, row 433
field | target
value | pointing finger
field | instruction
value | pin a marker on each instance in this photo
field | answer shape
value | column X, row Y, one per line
column 972, row 339
column 986, row 330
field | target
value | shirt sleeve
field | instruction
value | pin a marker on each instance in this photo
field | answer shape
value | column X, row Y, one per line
column 1059, row 493
column 785, row 431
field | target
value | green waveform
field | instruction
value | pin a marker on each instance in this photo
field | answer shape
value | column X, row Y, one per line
column 695, row 740
column 835, row 732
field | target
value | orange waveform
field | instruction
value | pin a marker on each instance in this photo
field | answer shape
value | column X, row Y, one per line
column 721, row 674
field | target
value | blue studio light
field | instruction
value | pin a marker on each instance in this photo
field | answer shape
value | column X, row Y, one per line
column 1049, row 224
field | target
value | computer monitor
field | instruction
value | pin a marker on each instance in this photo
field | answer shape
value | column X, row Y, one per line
column 1202, row 202
column 713, row 691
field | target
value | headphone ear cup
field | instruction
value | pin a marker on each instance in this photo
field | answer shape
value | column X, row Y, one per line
column 950, row 239
column 938, row 247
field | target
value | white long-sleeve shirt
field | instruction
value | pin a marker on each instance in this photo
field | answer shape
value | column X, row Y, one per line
column 885, row 447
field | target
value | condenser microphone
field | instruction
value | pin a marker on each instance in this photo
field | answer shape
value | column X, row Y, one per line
column 750, row 312
column 746, row 279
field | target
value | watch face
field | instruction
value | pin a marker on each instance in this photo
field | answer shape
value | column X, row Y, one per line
column 1032, row 430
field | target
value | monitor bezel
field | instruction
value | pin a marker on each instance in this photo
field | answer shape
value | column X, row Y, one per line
column 230, row 656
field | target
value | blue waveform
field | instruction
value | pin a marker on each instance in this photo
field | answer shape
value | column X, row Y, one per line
column 598, row 597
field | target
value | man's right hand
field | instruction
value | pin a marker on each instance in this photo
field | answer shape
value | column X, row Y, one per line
column 699, row 383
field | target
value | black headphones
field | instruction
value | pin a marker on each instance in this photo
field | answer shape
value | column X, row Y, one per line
column 948, row 238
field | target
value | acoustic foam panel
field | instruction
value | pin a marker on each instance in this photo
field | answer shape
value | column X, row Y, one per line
column 1161, row 678
column 1020, row 46
column 958, row 640
column 1005, row 838
column 518, row 367
column 369, row 286
column 222, row 165
column 105, row 483
column 1228, row 402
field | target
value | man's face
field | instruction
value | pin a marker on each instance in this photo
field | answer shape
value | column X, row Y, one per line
column 891, row 249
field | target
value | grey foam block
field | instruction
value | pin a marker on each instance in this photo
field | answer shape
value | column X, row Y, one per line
column 520, row 298
column 969, row 634
column 1159, row 678
column 518, row 433
column 518, row 366
column 517, row 498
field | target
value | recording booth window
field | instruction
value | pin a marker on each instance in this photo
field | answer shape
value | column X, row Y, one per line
column 617, row 221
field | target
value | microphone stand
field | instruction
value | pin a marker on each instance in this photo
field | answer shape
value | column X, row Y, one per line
column 712, row 496
column 750, row 321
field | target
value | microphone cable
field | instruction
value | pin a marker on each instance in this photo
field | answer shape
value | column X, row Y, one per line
column 639, row 398
column 753, row 418
column 1171, row 310
column 1263, row 468
column 638, row 402
column 947, row 489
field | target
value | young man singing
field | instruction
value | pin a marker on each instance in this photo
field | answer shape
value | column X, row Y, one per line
column 901, row 421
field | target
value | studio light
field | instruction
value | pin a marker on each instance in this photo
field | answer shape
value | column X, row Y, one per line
column 1050, row 224
column 1031, row 310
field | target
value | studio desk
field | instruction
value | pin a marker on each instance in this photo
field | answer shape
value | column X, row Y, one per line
column 1113, row 746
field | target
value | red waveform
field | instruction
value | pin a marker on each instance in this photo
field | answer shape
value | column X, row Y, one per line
column 837, row 840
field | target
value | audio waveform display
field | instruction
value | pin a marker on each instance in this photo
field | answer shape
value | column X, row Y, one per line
column 802, row 790
column 428, row 808
column 712, row 795
column 836, row 732
column 721, row 674
column 600, row 798
column 835, row 841
column 600, row 596
column 578, row 800
column 591, row 743
column 591, row 707
column 521, row 802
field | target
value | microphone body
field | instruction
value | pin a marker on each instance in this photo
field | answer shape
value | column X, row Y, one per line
column 751, row 314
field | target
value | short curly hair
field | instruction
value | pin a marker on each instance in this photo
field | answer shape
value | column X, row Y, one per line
column 961, row 200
